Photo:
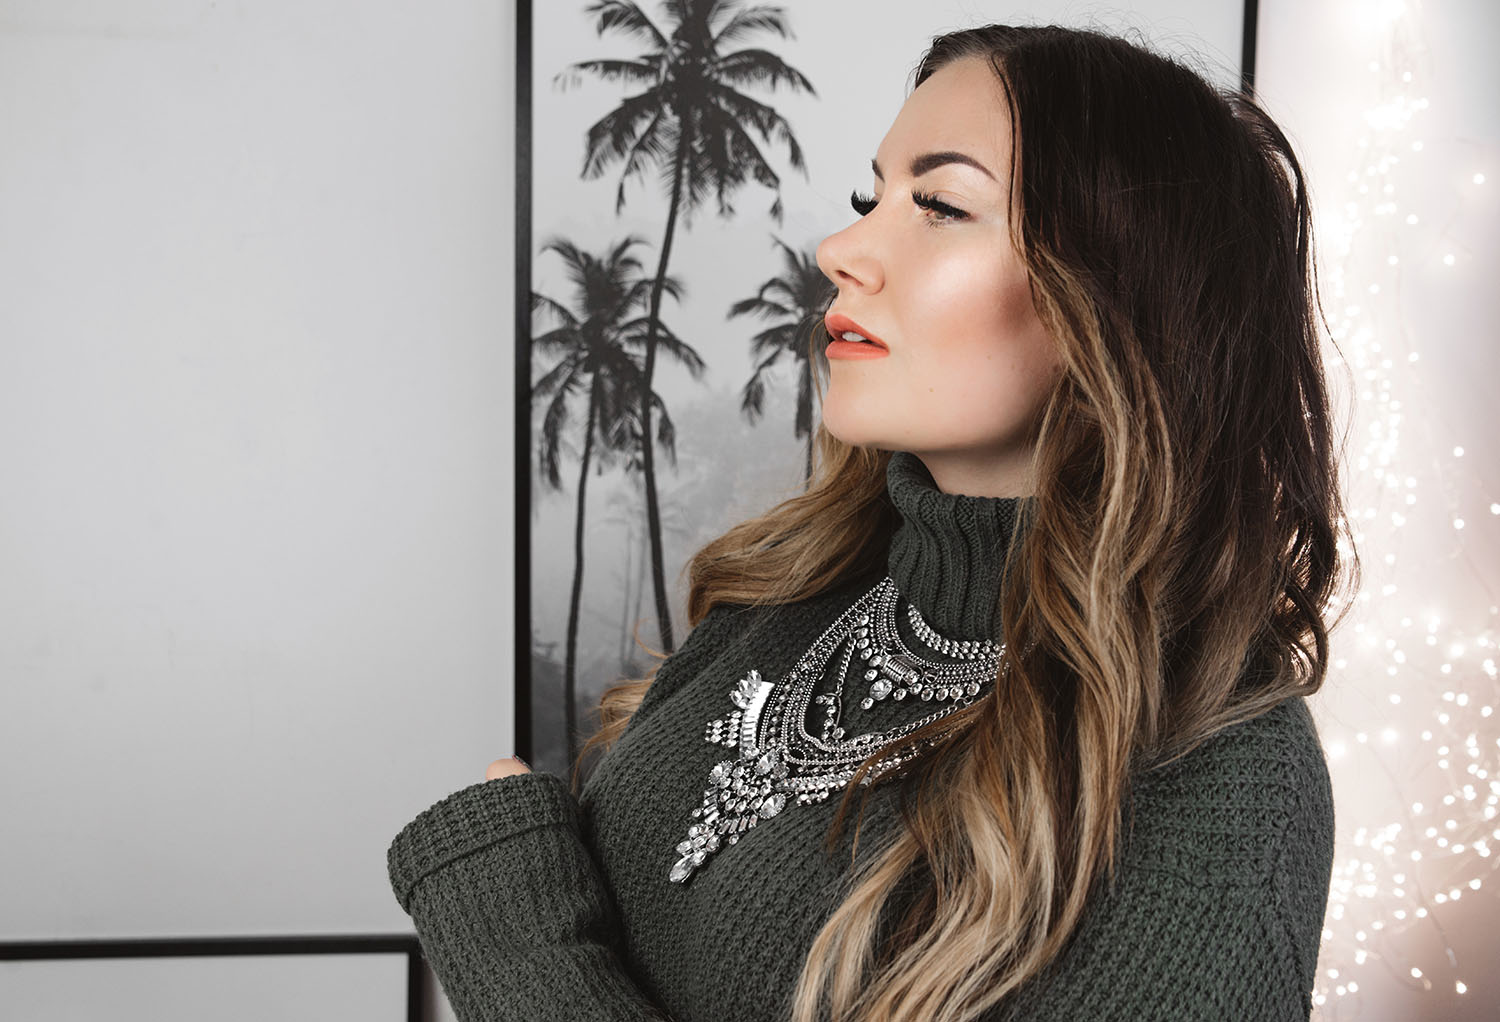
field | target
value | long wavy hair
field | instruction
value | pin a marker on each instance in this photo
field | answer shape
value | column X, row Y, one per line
column 1184, row 549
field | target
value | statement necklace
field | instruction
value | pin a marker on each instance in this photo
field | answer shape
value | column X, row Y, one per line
column 779, row 759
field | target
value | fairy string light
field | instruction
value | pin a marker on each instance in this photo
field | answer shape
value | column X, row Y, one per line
column 1431, row 736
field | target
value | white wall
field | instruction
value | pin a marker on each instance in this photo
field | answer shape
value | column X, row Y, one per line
column 256, row 286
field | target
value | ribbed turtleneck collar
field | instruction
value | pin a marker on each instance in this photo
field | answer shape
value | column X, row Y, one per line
column 949, row 554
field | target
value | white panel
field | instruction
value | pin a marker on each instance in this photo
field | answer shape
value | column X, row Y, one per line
column 255, row 437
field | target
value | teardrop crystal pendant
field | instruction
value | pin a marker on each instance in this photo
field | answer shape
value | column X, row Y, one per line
column 740, row 793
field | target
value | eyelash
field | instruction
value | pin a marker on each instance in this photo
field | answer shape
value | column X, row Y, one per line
column 865, row 203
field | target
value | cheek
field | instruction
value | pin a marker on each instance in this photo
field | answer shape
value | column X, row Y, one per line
column 976, row 316
column 985, row 356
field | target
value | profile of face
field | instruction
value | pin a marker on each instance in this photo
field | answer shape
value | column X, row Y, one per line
column 930, row 271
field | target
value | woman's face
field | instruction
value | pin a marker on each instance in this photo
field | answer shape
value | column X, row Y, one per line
column 967, row 365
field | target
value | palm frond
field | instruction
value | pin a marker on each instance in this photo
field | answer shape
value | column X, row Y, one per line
column 640, row 291
column 541, row 303
column 649, row 147
column 563, row 338
column 634, row 72
column 634, row 332
column 666, row 432
column 753, row 398
column 681, row 351
column 771, row 125
column 617, row 132
column 625, row 17
column 759, row 306
column 759, row 67
column 734, row 146
column 549, row 381
column 753, row 19
column 554, row 425
column 781, row 337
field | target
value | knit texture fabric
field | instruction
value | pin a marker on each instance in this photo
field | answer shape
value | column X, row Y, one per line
column 534, row 906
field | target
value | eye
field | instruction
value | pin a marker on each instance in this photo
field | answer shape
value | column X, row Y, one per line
column 945, row 213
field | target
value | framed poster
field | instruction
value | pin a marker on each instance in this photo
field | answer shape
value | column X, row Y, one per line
column 678, row 165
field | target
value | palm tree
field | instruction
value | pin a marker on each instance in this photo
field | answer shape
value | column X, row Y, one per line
column 690, row 120
column 624, row 512
column 797, row 299
column 593, row 340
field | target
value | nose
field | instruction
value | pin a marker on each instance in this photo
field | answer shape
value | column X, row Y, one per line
column 848, row 258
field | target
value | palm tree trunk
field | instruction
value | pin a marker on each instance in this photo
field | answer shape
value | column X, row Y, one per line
column 648, row 447
column 629, row 546
column 639, row 585
column 804, row 393
column 570, row 663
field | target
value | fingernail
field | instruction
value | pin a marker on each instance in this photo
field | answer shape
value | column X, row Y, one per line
column 521, row 761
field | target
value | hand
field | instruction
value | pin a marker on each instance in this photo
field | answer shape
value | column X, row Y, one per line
column 505, row 768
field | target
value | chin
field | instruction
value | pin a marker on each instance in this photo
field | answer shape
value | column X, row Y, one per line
column 858, row 434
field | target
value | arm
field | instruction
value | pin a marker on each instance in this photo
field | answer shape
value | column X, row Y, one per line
column 510, row 908
column 507, row 900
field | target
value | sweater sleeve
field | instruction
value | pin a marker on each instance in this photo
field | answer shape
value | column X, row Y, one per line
column 506, row 896
column 510, row 908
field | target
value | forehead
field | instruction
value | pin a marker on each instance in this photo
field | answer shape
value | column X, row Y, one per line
column 960, row 106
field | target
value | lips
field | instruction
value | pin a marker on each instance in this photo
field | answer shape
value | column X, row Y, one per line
column 837, row 324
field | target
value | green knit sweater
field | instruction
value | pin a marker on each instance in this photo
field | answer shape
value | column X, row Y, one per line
column 534, row 906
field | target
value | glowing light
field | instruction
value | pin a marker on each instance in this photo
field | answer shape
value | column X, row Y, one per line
column 1384, row 883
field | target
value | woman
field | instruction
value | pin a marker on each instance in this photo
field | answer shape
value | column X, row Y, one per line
column 1049, row 609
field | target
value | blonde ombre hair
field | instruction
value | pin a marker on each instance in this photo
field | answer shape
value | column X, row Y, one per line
column 1183, row 549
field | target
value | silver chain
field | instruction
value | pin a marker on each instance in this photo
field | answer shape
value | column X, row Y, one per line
column 779, row 759
column 964, row 649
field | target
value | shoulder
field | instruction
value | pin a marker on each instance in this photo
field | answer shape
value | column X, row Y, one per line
column 1216, row 906
column 1247, row 802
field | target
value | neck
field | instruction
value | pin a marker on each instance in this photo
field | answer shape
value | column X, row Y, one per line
column 972, row 475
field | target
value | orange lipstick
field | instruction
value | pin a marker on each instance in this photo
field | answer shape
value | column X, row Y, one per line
column 837, row 324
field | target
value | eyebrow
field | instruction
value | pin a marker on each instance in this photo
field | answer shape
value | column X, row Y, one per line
column 931, row 161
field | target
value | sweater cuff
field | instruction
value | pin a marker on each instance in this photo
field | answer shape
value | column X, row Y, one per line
column 473, row 819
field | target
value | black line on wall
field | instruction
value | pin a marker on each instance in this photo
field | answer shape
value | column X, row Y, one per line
column 1247, row 47
column 522, row 558
column 233, row 947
